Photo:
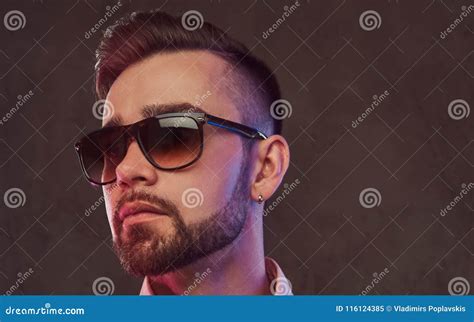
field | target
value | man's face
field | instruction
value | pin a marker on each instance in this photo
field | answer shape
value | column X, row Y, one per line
column 204, row 205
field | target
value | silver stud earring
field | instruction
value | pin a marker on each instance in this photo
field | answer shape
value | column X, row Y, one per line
column 260, row 199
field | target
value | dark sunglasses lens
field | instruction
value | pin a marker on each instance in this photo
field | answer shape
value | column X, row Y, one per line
column 101, row 152
column 171, row 142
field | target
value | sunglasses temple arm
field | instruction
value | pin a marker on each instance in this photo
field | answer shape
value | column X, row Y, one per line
column 236, row 127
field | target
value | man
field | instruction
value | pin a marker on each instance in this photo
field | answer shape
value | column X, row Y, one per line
column 187, row 155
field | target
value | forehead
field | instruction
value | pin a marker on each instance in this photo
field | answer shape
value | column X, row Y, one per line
column 194, row 77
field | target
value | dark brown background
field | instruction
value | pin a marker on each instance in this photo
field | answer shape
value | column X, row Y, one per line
column 329, row 68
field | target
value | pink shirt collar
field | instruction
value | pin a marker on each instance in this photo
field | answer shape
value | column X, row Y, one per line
column 279, row 284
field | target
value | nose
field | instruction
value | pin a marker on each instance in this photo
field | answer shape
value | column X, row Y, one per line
column 135, row 169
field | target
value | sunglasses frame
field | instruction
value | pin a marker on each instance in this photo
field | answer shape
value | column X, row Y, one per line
column 132, row 131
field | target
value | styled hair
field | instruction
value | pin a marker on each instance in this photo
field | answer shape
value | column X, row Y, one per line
column 142, row 34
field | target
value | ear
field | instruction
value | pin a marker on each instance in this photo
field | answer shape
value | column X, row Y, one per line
column 273, row 158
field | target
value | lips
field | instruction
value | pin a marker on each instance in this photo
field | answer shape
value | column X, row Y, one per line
column 136, row 208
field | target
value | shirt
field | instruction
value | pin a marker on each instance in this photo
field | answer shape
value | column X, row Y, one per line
column 279, row 284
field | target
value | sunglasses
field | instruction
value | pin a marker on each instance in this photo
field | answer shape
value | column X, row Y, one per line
column 168, row 141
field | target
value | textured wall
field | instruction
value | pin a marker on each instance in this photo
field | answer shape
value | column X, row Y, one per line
column 413, row 151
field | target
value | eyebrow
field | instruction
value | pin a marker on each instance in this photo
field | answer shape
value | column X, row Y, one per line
column 153, row 110
column 157, row 109
column 114, row 121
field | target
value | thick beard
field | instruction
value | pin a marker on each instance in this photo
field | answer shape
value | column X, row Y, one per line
column 146, row 253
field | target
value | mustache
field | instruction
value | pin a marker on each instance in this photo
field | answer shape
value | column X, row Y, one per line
column 141, row 196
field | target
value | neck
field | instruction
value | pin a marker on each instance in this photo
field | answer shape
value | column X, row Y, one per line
column 239, row 268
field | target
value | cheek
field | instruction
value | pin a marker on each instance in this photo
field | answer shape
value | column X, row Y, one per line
column 225, row 168
column 209, row 184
